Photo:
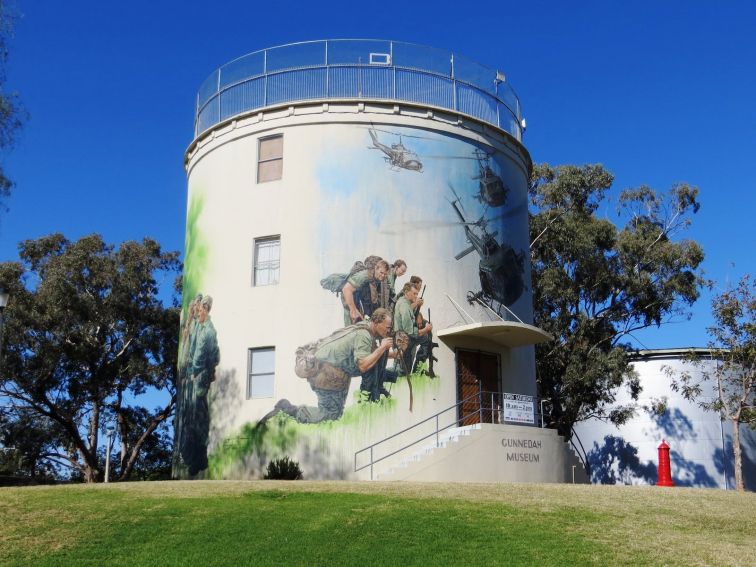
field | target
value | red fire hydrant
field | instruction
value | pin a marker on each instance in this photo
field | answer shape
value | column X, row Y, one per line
column 665, row 473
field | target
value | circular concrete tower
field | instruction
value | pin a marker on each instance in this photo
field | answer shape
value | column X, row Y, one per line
column 322, row 177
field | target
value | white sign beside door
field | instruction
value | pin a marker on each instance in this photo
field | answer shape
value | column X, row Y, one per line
column 518, row 408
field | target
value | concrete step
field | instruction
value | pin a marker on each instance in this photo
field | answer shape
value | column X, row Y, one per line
column 490, row 453
column 445, row 438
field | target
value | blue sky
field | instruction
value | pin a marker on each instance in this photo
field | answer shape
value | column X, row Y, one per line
column 659, row 92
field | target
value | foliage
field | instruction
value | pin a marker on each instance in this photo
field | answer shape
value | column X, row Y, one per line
column 596, row 282
column 252, row 447
column 11, row 113
column 153, row 462
column 86, row 336
column 25, row 439
column 283, row 469
column 196, row 249
column 345, row 523
column 733, row 377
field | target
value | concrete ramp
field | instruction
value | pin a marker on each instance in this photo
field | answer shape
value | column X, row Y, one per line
column 492, row 453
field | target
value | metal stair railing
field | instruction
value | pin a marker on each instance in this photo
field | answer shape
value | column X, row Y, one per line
column 481, row 412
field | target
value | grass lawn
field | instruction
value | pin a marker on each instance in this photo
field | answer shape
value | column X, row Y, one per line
column 342, row 523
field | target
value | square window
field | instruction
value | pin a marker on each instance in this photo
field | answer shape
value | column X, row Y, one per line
column 270, row 159
column 261, row 366
column 267, row 263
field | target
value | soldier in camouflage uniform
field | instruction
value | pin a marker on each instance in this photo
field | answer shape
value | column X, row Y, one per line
column 404, row 320
column 205, row 356
column 358, row 285
column 388, row 288
column 351, row 353
column 184, row 368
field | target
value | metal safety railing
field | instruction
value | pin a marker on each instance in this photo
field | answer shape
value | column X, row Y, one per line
column 358, row 69
column 482, row 407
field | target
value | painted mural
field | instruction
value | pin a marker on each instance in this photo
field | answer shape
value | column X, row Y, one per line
column 411, row 231
column 384, row 336
column 198, row 357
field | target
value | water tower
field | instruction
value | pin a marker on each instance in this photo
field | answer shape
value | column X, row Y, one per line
column 322, row 177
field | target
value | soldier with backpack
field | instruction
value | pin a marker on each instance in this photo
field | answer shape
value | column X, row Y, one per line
column 330, row 363
column 370, row 294
column 359, row 288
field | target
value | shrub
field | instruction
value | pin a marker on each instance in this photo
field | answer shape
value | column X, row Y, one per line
column 283, row 469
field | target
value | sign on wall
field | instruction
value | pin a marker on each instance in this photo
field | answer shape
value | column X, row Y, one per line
column 518, row 408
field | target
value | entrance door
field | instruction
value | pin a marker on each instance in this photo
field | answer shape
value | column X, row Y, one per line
column 478, row 381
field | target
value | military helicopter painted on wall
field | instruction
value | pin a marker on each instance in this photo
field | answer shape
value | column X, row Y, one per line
column 500, row 269
column 493, row 192
column 396, row 155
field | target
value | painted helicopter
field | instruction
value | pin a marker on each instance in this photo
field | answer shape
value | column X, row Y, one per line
column 396, row 155
column 493, row 192
column 500, row 268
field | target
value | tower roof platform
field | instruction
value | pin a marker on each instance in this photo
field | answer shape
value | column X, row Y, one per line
column 357, row 69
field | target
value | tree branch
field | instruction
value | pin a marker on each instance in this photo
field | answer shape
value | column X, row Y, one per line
column 156, row 421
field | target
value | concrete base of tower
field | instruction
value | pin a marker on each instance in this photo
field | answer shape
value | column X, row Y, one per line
column 490, row 453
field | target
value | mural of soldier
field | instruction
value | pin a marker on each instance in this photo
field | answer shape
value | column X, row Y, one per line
column 347, row 353
column 388, row 288
column 406, row 321
column 373, row 380
column 425, row 349
column 359, row 294
column 188, row 329
column 187, row 334
column 204, row 356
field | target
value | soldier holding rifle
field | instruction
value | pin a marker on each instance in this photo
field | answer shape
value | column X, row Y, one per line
column 361, row 280
column 405, row 320
column 330, row 363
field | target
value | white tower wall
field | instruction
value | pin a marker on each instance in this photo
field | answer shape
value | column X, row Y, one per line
column 445, row 192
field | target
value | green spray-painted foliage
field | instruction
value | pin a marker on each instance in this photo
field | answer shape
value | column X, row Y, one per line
column 196, row 250
column 422, row 383
column 256, row 444
column 272, row 440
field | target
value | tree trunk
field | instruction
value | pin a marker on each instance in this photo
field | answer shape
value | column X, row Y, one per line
column 739, row 486
column 123, row 433
column 91, row 471
column 156, row 421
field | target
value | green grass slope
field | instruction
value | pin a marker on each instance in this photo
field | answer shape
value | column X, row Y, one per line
column 340, row 523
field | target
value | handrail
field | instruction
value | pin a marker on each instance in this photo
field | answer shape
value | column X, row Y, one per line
column 456, row 420
column 584, row 457
column 468, row 398
column 304, row 70
column 232, row 85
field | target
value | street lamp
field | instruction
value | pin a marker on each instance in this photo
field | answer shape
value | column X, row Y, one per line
column 110, row 431
column 4, row 295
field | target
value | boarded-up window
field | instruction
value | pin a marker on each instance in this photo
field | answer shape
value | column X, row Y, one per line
column 270, row 159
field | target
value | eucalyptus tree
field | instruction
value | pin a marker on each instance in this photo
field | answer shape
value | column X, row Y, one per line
column 11, row 112
column 596, row 281
column 87, row 336
column 732, row 377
